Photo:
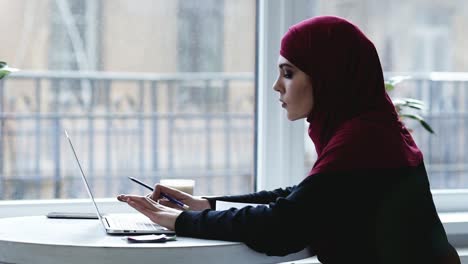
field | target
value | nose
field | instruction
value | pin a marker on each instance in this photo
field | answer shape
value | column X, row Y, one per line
column 276, row 86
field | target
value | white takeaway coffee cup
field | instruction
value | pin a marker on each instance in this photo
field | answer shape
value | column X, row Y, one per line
column 183, row 185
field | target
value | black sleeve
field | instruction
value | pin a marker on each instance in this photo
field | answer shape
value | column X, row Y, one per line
column 370, row 214
column 280, row 228
column 262, row 197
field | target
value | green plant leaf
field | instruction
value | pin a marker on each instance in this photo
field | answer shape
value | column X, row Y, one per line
column 389, row 87
column 5, row 70
column 3, row 73
column 398, row 102
column 421, row 120
column 408, row 102
column 427, row 126
column 413, row 101
column 418, row 107
column 412, row 116
column 404, row 103
column 390, row 83
column 398, row 79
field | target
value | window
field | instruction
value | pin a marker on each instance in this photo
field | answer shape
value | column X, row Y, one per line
column 150, row 89
column 139, row 112
column 393, row 27
column 140, row 127
column 421, row 38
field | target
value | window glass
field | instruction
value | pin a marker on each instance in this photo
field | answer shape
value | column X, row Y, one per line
column 146, row 88
column 425, row 41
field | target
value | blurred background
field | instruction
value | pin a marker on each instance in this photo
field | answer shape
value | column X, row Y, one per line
column 166, row 89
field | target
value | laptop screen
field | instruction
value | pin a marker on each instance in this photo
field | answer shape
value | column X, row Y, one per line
column 88, row 189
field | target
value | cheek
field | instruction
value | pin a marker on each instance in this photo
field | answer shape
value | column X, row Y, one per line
column 303, row 99
column 301, row 94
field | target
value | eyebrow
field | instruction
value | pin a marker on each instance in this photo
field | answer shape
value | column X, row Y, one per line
column 285, row 64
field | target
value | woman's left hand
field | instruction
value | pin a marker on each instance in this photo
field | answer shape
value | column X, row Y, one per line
column 158, row 213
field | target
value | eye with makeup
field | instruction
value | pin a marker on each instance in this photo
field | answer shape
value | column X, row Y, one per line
column 288, row 74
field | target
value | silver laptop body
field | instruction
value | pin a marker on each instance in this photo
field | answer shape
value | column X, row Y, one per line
column 121, row 224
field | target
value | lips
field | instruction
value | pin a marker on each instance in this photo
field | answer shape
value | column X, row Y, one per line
column 283, row 104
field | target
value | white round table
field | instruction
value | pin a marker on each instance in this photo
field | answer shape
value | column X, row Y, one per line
column 37, row 239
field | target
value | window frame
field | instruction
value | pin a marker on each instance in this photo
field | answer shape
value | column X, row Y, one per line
column 280, row 142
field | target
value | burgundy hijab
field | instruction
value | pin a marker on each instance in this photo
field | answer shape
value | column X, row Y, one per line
column 353, row 123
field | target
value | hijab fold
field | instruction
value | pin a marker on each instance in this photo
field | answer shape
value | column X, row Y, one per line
column 353, row 124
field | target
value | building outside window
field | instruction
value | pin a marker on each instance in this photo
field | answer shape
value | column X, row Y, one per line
column 167, row 89
column 149, row 89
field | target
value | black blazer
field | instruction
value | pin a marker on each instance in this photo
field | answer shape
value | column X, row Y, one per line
column 366, row 216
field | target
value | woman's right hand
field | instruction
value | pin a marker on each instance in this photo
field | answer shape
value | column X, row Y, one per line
column 194, row 203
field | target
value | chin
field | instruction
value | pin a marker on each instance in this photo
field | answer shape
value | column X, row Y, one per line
column 293, row 118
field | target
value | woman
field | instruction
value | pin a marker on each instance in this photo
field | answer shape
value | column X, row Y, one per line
column 367, row 198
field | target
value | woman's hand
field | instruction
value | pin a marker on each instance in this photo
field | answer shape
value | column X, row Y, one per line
column 156, row 212
column 160, row 210
column 194, row 203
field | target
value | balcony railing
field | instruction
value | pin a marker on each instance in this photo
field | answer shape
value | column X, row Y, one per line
column 195, row 125
column 445, row 95
column 150, row 126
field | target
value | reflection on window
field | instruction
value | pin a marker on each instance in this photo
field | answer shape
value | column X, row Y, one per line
column 150, row 89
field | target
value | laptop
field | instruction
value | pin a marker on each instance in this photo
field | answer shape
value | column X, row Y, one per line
column 121, row 224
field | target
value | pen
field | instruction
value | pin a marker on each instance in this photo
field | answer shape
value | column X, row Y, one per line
column 168, row 197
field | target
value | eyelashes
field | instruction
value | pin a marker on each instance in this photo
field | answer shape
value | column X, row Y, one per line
column 287, row 74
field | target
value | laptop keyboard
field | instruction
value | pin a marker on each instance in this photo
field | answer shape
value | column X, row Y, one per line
column 126, row 223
